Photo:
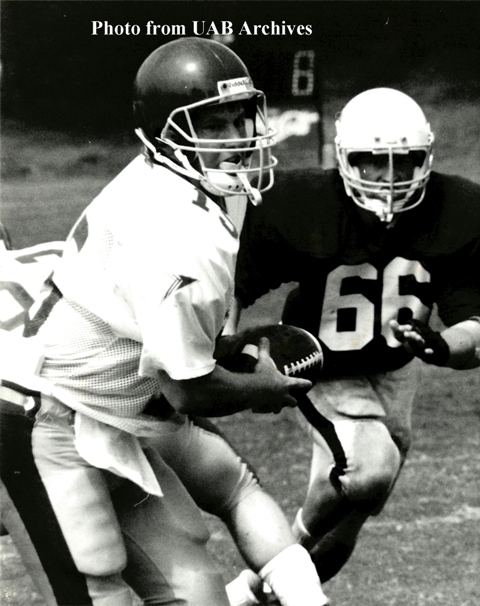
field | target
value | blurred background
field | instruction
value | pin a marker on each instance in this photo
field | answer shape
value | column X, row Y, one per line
column 56, row 74
column 66, row 94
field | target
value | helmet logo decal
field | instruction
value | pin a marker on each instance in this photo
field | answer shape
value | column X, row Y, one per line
column 178, row 283
column 235, row 86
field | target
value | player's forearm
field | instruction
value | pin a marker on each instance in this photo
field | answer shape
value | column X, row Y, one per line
column 463, row 340
column 212, row 395
column 221, row 393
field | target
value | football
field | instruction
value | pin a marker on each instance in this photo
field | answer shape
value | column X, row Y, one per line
column 296, row 352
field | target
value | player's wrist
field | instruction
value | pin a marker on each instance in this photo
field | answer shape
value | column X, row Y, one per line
column 464, row 343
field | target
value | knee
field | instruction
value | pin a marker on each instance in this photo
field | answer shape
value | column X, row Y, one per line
column 372, row 470
column 218, row 477
column 246, row 485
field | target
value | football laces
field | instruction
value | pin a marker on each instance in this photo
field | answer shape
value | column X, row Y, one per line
column 295, row 367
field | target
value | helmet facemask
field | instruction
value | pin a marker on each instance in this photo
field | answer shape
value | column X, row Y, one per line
column 389, row 196
column 249, row 168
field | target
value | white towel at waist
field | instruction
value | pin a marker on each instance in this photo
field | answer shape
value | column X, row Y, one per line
column 115, row 450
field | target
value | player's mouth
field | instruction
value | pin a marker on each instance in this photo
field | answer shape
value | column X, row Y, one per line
column 232, row 164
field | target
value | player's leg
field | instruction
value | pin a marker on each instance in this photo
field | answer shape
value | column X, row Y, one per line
column 372, row 466
column 29, row 518
column 223, row 484
column 327, row 525
column 79, row 495
column 361, row 408
column 166, row 540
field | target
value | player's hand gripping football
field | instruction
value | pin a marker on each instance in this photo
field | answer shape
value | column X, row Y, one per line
column 421, row 341
column 279, row 388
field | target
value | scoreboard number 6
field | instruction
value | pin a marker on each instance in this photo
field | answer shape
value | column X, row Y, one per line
column 303, row 77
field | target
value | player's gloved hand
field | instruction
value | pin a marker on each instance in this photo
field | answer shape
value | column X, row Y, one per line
column 423, row 342
column 279, row 389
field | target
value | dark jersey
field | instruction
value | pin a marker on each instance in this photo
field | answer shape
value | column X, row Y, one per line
column 355, row 273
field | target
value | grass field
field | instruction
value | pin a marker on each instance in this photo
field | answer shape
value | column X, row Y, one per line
column 424, row 549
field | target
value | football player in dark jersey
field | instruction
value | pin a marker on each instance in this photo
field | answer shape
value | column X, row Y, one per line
column 373, row 246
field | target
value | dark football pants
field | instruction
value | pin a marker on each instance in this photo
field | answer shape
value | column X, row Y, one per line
column 28, row 516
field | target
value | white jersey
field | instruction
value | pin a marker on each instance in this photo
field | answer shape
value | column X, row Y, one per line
column 146, row 278
column 24, row 285
column 22, row 281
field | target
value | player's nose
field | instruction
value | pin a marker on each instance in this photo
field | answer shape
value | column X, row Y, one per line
column 233, row 133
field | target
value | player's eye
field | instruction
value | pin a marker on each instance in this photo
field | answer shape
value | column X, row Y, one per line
column 418, row 157
column 366, row 159
column 240, row 123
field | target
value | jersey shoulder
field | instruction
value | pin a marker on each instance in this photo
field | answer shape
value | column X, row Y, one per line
column 450, row 211
column 307, row 209
column 142, row 187
column 458, row 194
column 148, row 204
column 304, row 188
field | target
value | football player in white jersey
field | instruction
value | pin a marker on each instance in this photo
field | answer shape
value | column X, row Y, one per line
column 25, row 510
column 128, row 337
column 373, row 245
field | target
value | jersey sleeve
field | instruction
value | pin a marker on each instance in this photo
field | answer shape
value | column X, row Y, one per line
column 179, row 305
column 179, row 334
column 455, row 242
column 23, row 276
column 458, row 296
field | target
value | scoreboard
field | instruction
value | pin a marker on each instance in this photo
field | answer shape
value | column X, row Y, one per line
column 288, row 72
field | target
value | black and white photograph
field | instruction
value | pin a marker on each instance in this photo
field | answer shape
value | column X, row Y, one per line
column 239, row 303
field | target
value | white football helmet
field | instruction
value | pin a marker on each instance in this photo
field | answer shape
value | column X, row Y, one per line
column 384, row 121
column 183, row 76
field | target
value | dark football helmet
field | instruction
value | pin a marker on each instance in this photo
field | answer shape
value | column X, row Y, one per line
column 176, row 80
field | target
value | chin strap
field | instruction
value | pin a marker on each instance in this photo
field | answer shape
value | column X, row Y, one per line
column 184, row 168
column 252, row 193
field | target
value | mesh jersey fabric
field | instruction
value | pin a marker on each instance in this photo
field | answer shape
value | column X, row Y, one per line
column 146, row 279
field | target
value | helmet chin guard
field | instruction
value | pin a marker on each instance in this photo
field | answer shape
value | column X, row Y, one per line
column 387, row 198
column 384, row 121
column 185, row 76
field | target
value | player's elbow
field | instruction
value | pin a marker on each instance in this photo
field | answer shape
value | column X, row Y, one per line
column 189, row 396
column 184, row 399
